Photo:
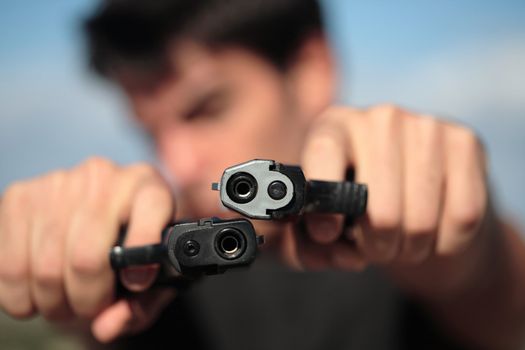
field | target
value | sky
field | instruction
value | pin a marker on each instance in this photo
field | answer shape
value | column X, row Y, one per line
column 460, row 60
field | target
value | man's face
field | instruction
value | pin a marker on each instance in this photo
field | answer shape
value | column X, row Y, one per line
column 220, row 108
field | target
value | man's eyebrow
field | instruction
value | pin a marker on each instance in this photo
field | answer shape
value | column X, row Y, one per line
column 199, row 101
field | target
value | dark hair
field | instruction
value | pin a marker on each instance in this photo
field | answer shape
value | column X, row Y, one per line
column 135, row 34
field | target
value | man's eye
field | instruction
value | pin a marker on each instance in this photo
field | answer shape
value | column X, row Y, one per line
column 209, row 108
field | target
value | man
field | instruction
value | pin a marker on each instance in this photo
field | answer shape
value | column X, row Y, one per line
column 217, row 83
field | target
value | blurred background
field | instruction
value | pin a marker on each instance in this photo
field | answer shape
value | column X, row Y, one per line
column 463, row 61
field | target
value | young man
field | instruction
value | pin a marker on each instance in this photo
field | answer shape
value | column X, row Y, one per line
column 220, row 82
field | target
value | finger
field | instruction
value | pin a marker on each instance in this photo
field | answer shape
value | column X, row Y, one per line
column 93, row 231
column 466, row 193
column 325, row 157
column 89, row 281
column 48, row 246
column 129, row 316
column 15, row 297
column 382, row 169
column 289, row 247
column 152, row 210
column 314, row 257
column 346, row 256
column 423, row 186
column 112, row 322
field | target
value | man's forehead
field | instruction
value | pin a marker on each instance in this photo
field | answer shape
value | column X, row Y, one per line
column 193, row 67
column 186, row 65
column 188, row 56
column 192, row 61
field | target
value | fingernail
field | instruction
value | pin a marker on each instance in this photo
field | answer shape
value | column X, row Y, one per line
column 138, row 278
column 348, row 262
column 350, row 234
column 323, row 230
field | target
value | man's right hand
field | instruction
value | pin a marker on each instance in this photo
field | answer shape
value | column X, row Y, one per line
column 56, row 232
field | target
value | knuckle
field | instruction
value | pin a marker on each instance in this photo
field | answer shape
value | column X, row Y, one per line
column 336, row 112
column 470, row 139
column 421, row 231
column 386, row 119
column 142, row 171
column 143, row 168
column 158, row 193
column 14, row 273
column 20, row 311
column 385, row 219
column 467, row 218
column 429, row 126
column 58, row 178
column 421, row 224
column 15, row 195
column 467, row 140
column 98, row 166
column 323, row 142
column 48, row 273
column 153, row 200
column 326, row 147
column 98, row 177
column 386, row 111
column 87, row 262
column 98, row 162
column 51, row 189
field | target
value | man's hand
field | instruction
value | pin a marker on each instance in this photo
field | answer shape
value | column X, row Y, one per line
column 56, row 233
column 427, row 188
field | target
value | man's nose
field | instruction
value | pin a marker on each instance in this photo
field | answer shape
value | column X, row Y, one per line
column 179, row 154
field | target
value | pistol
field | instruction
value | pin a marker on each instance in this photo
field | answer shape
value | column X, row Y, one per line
column 193, row 249
column 267, row 190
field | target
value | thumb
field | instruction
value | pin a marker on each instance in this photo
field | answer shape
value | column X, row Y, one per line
column 130, row 315
column 325, row 157
column 151, row 211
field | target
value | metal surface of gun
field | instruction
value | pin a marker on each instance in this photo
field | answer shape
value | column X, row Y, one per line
column 189, row 250
column 265, row 189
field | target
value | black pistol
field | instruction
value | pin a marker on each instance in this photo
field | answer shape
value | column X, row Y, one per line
column 193, row 249
column 265, row 189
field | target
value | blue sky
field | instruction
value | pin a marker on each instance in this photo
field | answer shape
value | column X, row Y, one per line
column 463, row 60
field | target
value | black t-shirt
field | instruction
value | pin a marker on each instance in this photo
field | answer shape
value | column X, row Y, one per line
column 271, row 307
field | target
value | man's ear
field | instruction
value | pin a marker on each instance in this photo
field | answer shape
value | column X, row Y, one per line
column 311, row 76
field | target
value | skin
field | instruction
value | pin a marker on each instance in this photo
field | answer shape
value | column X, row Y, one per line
column 429, row 223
